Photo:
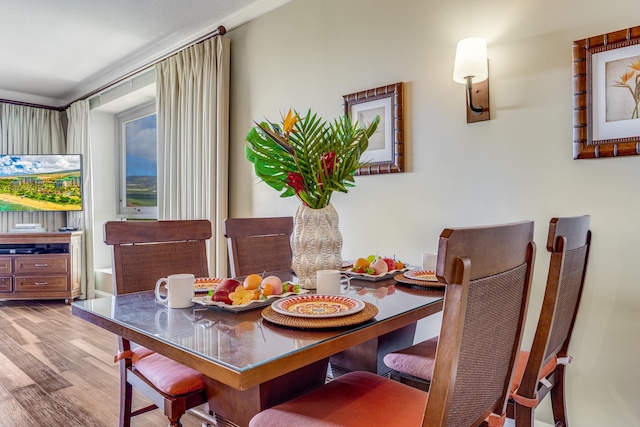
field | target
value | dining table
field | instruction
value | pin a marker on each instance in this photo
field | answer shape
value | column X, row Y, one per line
column 252, row 359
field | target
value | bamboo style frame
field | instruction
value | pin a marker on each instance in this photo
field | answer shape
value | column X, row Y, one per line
column 586, row 145
column 393, row 153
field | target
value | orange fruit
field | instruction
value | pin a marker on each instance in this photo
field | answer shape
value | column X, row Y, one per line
column 252, row 281
column 361, row 263
column 267, row 289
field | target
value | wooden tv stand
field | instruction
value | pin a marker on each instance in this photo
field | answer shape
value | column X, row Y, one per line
column 40, row 265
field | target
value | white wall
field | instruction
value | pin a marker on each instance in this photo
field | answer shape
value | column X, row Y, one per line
column 516, row 166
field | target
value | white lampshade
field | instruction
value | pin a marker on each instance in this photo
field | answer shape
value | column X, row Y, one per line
column 471, row 60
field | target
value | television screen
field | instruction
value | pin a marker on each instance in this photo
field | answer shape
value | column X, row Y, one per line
column 40, row 182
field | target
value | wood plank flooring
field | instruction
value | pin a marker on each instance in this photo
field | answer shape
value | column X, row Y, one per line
column 58, row 370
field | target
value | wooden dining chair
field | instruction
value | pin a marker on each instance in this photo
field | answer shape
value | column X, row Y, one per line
column 488, row 275
column 143, row 252
column 259, row 245
column 543, row 368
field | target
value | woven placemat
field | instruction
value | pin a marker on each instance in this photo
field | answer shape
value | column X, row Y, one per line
column 367, row 313
column 401, row 278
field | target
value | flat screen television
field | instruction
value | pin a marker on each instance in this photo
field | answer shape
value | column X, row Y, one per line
column 40, row 182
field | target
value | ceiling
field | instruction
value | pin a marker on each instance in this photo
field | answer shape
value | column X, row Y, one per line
column 56, row 52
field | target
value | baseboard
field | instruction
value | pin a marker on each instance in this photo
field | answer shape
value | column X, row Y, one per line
column 101, row 294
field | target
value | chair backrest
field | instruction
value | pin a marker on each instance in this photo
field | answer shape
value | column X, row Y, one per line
column 488, row 272
column 569, row 241
column 259, row 245
column 145, row 251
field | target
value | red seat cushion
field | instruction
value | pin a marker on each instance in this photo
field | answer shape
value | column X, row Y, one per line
column 417, row 360
column 354, row 399
column 165, row 374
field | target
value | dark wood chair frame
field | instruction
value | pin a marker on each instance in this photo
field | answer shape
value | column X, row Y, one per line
column 259, row 245
column 457, row 250
column 143, row 252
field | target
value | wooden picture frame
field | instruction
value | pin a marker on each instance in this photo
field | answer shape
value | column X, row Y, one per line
column 386, row 146
column 605, row 108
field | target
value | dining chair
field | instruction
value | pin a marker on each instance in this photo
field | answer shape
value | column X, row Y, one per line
column 488, row 274
column 259, row 245
column 143, row 252
column 543, row 368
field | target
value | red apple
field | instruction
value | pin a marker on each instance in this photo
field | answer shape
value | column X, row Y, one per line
column 224, row 288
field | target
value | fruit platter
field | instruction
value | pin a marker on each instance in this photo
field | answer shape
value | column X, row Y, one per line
column 254, row 291
column 375, row 268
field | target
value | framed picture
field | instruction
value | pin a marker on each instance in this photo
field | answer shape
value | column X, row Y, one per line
column 606, row 87
column 386, row 146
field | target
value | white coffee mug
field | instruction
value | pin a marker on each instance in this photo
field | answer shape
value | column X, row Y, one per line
column 180, row 290
column 328, row 282
column 429, row 261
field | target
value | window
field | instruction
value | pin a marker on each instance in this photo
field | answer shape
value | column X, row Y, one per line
column 138, row 165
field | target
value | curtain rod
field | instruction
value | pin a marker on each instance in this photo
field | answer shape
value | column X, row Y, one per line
column 220, row 31
column 217, row 32
column 29, row 104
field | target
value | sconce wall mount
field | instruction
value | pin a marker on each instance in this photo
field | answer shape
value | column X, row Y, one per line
column 471, row 68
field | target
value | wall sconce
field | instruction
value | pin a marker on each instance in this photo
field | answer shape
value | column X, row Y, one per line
column 472, row 69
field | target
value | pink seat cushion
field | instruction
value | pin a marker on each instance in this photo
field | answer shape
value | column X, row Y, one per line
column 355, row 399
column 166, row 375
column 417, row 360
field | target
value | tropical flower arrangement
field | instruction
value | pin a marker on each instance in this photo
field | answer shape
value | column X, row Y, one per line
column 307, row 156
column 632, row 75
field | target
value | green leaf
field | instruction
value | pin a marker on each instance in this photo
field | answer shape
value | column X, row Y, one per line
column 275, row 155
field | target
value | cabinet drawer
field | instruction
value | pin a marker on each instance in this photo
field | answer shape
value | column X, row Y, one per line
column 5, row 266
column 5, row 284
column 36, row 264
column 41, row 283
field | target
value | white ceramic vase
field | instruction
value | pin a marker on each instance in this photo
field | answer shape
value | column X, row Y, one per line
column 316, row 243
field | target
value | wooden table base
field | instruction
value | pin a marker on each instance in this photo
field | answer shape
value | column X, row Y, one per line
column 236, row 407
column 369, row 355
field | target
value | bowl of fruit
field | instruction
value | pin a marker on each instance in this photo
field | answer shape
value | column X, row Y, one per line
column 376, row 267
column 254, row 291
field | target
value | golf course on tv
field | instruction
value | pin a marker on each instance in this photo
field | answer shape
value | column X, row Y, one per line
column 55, row 191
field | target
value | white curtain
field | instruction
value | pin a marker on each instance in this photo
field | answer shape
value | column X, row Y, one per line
column 79, row 142
column 193, row 139
column 30, row 130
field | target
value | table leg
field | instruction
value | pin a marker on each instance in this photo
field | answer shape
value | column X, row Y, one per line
column 233, row 407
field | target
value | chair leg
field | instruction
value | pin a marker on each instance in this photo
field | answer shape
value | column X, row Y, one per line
column 523, row 416
column 558, row 404
column 126, row 399
column 175, row 422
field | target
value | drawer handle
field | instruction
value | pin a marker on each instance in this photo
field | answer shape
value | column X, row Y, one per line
column 41, row 265
column 41, row 283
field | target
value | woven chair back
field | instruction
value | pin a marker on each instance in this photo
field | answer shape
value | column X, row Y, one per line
column 259, row 245
column 145, row 251
column 488, row 272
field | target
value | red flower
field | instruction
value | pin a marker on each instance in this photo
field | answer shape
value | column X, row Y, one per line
column 328, row 161
column 295, row 181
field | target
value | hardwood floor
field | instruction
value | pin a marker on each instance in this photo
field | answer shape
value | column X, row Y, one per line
column 58, row 370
